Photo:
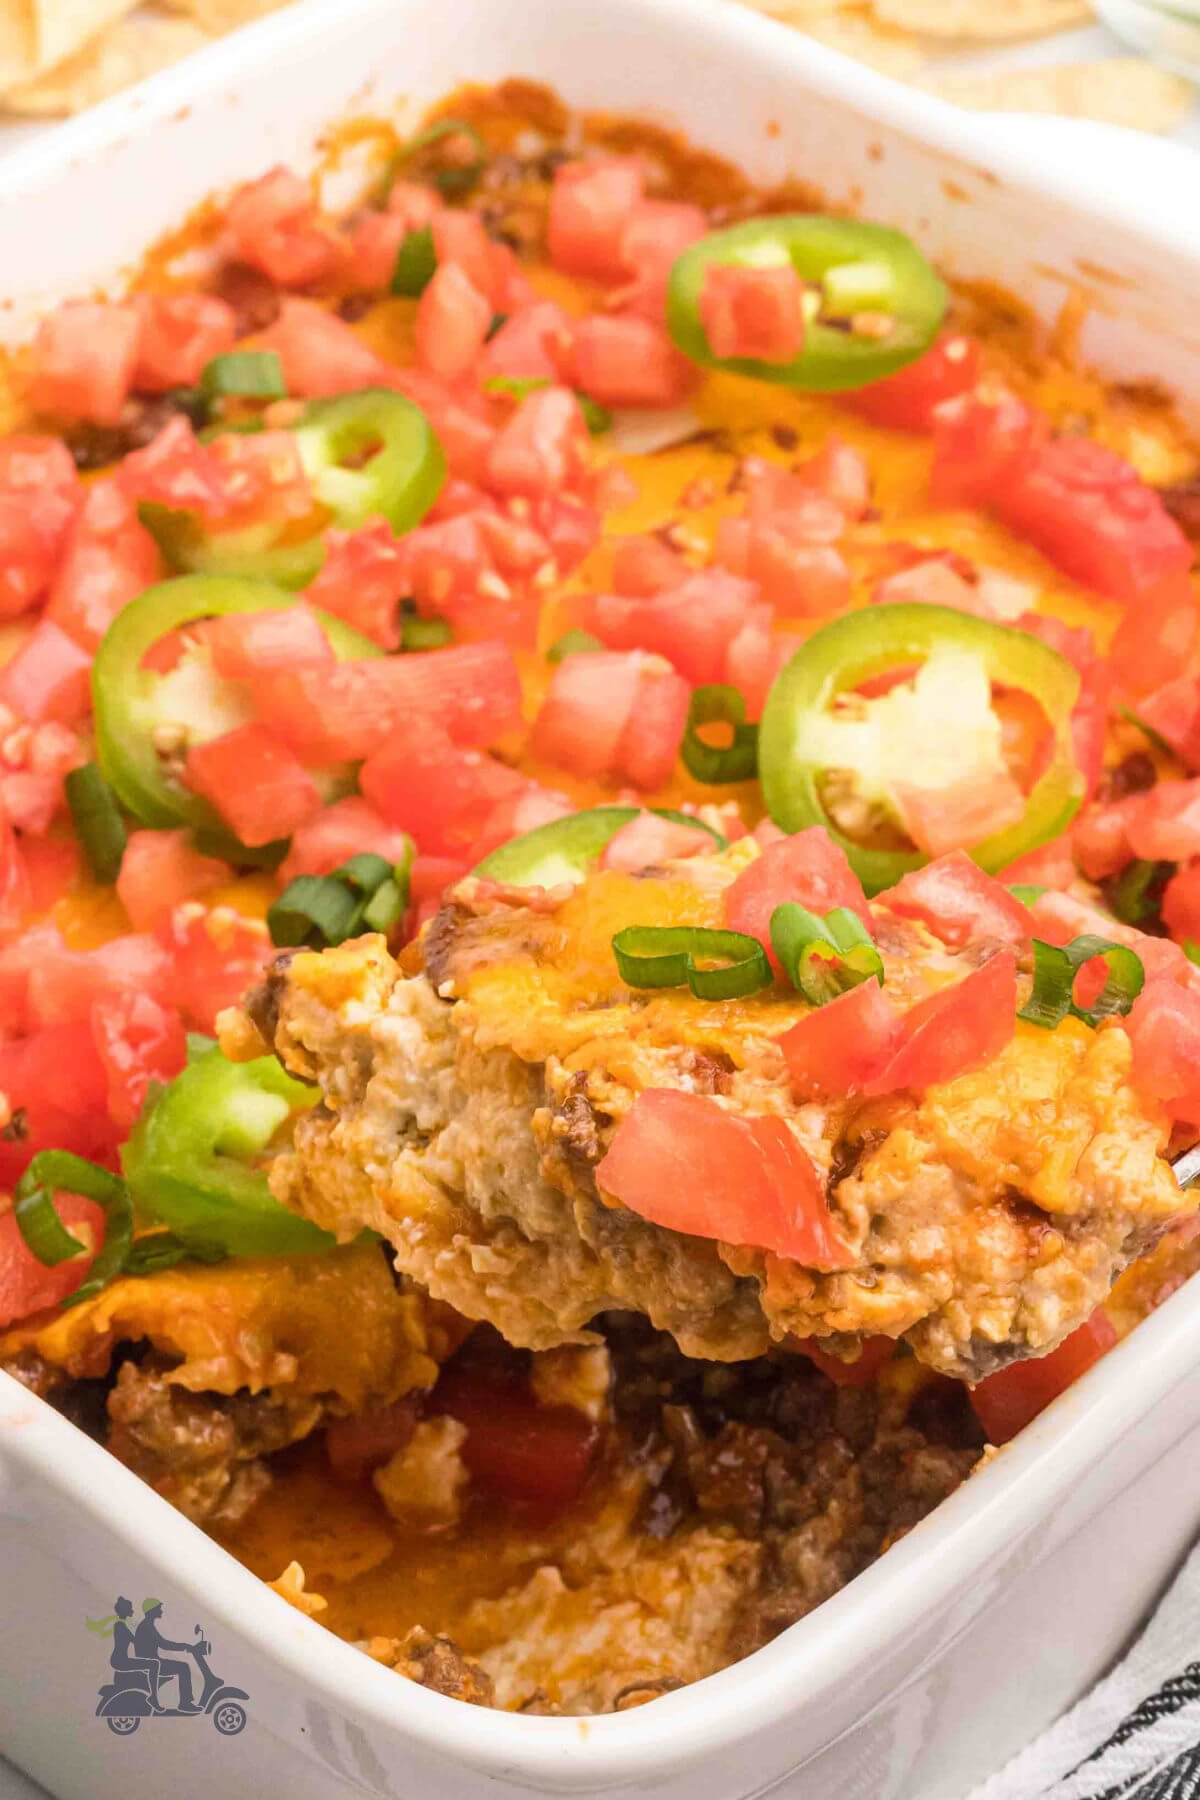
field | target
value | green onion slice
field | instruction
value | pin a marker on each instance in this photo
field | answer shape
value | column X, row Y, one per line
column 824, row 956
column 715, row 764
column 367, row 893
column 654, row 956
column 597, row 418
column 425, row 634
column 515, row 386
column 1055, row 967
column 452, row 181
column 573, row 643
column 47, row 1237
column 416, row 263
column 253, row 374
column 1136, row 894
column 1026, row 892
column 98, row 822
column 1191, row 949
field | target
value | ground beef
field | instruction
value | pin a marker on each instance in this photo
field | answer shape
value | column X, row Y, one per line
column 142, row 418
column 202, row 1452
column 437, row 1663
column 1183, row 503
column 254, row 298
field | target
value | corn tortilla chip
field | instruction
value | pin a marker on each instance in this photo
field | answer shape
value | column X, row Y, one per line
column 126, row 52
column 64, row 26
column 983, row 21
column 1122, row 90
column 854, row 33
column 222, row 15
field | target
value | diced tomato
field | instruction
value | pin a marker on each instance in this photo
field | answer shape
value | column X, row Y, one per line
column 254, row 782
column 422, row 783
column 52, row 868
column 843, row 1047
column 273, row 226
column 756, row 656
column 15, row 897
column 363, row 581
column 535, row 1456
column 807, row 867
column 1089, row 718
column 84, row 357
column 340, row 714
column 683, row 1162
column 1163, row 824
column 1181, row 904
column 649, row 839
column 55, row 1085
column 28, row 1286
column 339, row 832
column 586, row 709
column 569, row 525
column 649, row 745
column 180, row 334
column 216, row 955
column 643, row 566
column 934, row 581
column 441, row 564
column 452, row 323
column 1051, row 866
column 460, row 241
column 366, row 1440
column 462, row 423
column 1155, row 639
column 414, row 202
column 692, row 624
column 1164, row 1028
column 959, row 903
column 1173, row 713
column 543, row 447
column 40, row 495
column 48, row 678
column 319, row 354
column 842, row 474
column 590, row 207
column 1059, row 918
column 374, row 245
column 138, row 1042
column 533, row 344
column 979, row 439
column 1007, row 1401
column 246, row 645
column 873, row 1353
column 158, row 870
column 753, row 312
column 1100, row 838
column 63, row 985
column 909, row 399
column 798, row 580
column 955, row 1029
column 655, row 233
column 624, row 360
column 1091, row 514
column 110, row 559
column 943, row 819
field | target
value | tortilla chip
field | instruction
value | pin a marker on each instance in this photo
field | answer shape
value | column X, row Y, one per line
column 882, row 47
column 1122, row 90
column 222, row 15
column 36, row 34
column 126, row 52
column 983, row 21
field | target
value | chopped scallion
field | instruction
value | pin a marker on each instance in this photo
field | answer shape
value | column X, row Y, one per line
column 1055, row 969
column 573, row 643
column 653, row 956
column 452, row 179
column 715, row 764
column 1136, row 894
column 251, row 374
column 98, row 822
column 416, row 263
column 59, row 1171
column 597, row 418
column 424, row 634
column 824, row 955
column 367, row 893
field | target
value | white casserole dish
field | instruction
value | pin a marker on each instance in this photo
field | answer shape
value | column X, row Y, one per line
column 970, row 1635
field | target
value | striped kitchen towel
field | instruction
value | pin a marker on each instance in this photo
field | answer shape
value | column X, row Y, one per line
column 1136, row 1736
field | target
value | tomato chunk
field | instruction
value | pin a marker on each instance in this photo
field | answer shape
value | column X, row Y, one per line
column 909, row 399
column 246, row 645
column 979, row 439
column 341, row 714
column 843, row 1047
column 180, row 334
column 215, row 957
column 807, row 867
column 273, row 226
column 753, row 312
column 259, row 788
column 1164, row 1028
column 649, row 839
column 873, row 1353
column 959, row 903
column 28, row 1286
column 543, row 447
column 339, row 832
column 83, row 361
column 110, row 558
column 692, row 624
column 366, row 1440
column 319, row 354
column 158, row 870
column 422, row 783
column 625, row 360
column 40, row 495
column 48, row 678
column 452, row 323
column 614, row 713
column 537, row 1456
column 363, row 581
column 138, row 1042
column 682, row 1161
column 1007, row 1401
column 1090, row 513
column 955, row 1029
column 590, row 206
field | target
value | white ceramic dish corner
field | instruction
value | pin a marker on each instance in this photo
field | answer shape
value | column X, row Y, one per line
column 972, row 1633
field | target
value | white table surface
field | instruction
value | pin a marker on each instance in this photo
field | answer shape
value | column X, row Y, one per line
column 1073, row 46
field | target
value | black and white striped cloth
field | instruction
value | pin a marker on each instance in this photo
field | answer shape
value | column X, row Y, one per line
column 1136, row 1736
